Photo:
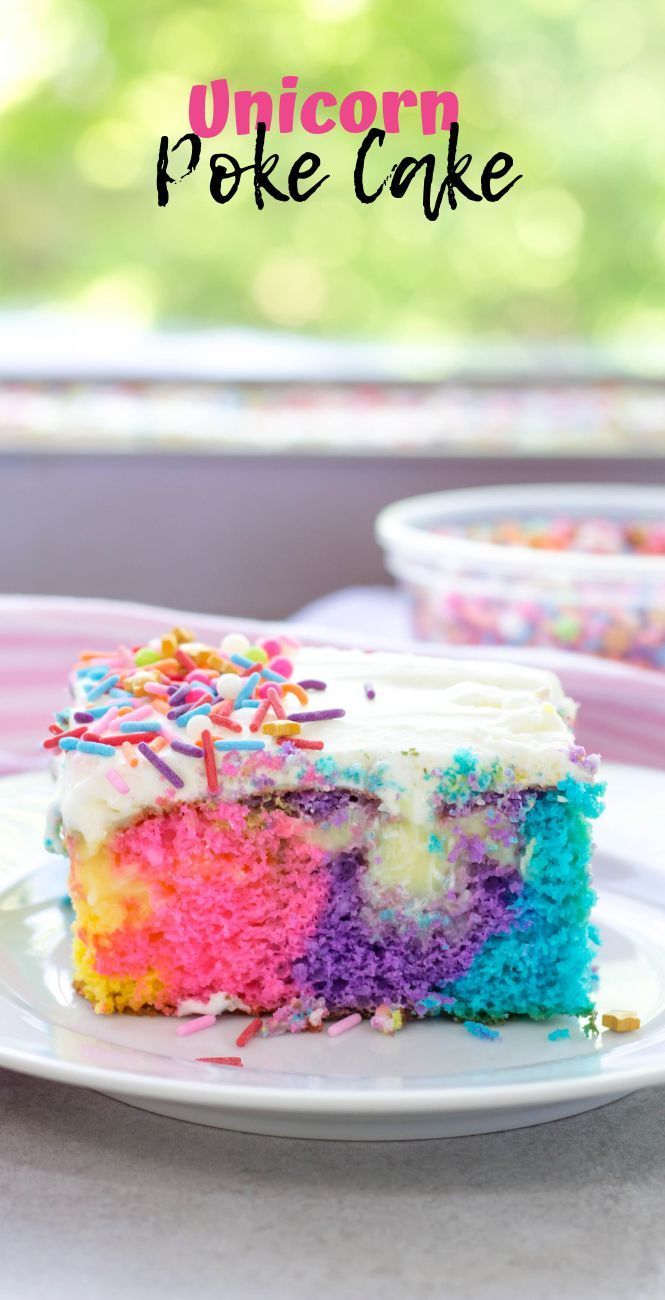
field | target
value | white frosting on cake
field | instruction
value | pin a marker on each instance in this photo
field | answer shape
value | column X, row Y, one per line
column 424, row 711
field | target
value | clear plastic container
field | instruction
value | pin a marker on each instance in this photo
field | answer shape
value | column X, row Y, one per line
column 477, row 592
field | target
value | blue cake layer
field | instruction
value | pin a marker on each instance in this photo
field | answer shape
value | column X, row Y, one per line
column 542, row 966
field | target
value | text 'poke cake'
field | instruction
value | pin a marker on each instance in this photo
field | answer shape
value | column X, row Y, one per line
column 312, row 832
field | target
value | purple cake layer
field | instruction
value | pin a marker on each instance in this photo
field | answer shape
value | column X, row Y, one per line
column 357, row 959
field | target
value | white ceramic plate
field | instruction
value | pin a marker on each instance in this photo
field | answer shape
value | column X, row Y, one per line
column 432, row 1079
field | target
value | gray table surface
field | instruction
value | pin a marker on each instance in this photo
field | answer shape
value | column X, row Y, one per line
column 100, row 1200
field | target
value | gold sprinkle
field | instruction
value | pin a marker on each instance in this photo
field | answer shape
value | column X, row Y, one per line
column 281, row 728
column 169, row 666
column 136, row 682
column 622, row 1022
column 182, row 635
column 210, row 659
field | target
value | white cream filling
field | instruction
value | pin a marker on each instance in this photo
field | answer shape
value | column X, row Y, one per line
column 215, row 1005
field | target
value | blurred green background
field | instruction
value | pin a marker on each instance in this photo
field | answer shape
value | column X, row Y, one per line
column 572, row 88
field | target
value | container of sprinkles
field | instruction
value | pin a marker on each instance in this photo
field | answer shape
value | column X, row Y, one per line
column 578, row 567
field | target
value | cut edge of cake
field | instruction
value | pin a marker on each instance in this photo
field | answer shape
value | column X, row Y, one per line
column 307, row 832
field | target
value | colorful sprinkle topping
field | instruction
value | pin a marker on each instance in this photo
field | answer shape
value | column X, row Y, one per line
column 162, row 767
column 226, row 745
column 341, row 1026
column 209, row 760
column 318, row 715
column 117, row 780
column 140, row 699
column 101, row 688
column 193, row 751
column 94, row 747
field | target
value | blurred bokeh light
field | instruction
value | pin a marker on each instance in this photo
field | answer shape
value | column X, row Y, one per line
column 572, row 88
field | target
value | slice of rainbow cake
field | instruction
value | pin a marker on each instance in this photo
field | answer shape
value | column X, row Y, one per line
column 312, row 832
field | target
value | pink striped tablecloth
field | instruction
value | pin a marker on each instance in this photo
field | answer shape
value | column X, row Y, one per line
column 622, row 709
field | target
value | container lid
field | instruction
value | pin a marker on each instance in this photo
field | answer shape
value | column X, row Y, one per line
column 406, row 526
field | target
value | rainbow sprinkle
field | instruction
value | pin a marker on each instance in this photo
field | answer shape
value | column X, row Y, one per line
column 225, row 746
column 341, row 1026
column 480, row 1031
column 195, row 1026
column 209, row 760
column 317, row 715
column 94, row 747
column 252, row 1029
column 162, row 767
column 117, row 781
